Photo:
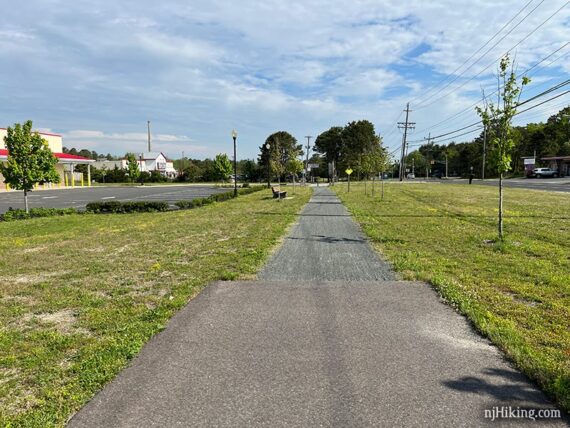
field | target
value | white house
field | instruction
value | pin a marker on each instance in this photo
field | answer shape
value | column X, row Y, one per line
column 148, row 162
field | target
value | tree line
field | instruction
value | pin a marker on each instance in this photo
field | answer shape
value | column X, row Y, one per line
column 89, row 154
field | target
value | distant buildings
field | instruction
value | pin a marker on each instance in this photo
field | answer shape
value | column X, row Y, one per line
column 147, row 162
column 65, row 166
column 559, row 163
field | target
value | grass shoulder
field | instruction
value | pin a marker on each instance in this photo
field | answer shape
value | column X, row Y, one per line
column 80, row 295
column 515, row 292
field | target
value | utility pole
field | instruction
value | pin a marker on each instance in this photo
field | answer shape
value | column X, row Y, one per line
column 308, row 137
column 405, row 126
column 428, row 150
column 148, row 129
column 484, row 138
column 484, row 152
column 445, row 165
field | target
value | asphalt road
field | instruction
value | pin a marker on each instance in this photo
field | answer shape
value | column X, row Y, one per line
column 545, row 184
column 79, row 197
column 314, row 352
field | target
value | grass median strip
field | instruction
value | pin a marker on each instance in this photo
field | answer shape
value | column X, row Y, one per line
column 516, row 292
column 80, row 295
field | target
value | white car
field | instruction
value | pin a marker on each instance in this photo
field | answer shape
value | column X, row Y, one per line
column 411, row 175
column 544, row 172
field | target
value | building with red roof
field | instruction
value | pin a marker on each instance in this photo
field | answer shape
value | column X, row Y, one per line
column 65, row 165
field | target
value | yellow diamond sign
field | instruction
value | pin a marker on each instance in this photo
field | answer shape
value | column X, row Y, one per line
column 348, row 171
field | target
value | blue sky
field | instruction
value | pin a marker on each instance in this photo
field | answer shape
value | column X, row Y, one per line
column 96, row 71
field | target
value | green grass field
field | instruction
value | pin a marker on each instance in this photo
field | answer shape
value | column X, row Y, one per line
column 81, row 294
column 517, row 292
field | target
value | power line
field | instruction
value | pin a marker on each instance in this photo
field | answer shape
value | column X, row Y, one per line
column 554, row 88
column 394, row 127
column 486, row 52
column 484, row 69
column 544, row 102
column 543, row 93
column 470, row 108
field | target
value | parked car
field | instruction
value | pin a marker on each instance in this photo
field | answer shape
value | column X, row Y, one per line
column 411, row 175
column 544, row 172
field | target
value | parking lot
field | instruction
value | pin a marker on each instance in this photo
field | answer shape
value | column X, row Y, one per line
column 80, row 197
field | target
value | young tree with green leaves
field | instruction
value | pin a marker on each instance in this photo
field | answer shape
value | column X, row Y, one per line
column 30, row 160
column 294, row 167
column 132, row 167
column 222, row 167
column 373, row 161
column 498, row 120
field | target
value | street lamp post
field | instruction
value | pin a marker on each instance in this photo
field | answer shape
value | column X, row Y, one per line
column 268, row 147
column 140, row 169
column 234, row 136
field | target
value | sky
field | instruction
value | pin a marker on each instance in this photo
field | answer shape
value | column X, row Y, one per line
column 97, row 71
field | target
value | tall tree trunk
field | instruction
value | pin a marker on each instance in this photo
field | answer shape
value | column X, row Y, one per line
column 501, row 206
column 26, row 201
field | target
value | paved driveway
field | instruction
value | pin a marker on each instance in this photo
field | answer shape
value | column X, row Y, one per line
column 79, row 197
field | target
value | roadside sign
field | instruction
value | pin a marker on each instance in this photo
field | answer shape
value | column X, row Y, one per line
column 314, row 165
column 348, row 171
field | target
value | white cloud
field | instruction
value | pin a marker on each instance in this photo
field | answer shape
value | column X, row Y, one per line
column 99, row 70
column 136, row 142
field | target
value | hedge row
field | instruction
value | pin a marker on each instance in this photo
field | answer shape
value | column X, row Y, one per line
column 219, row 197
column 20, row 214
column 126, row 207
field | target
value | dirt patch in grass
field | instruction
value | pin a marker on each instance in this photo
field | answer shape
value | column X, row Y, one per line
column 32, row 278
column 64, row 321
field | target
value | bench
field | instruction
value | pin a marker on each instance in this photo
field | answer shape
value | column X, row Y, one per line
column 278, row 194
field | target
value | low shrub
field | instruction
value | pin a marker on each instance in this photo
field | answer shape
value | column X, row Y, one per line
column 20, row 214
column 126, row 207
column 183, row 205
column 218, row 197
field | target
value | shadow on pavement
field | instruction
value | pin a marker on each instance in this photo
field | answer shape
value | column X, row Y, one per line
column 511, row 387
column 329, row 239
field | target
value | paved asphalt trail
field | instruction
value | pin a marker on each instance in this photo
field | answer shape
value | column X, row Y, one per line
column 314, row 352
column 326, row 245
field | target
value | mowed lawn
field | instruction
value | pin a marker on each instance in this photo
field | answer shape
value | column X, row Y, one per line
column 80, row 295
column 516, row 293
